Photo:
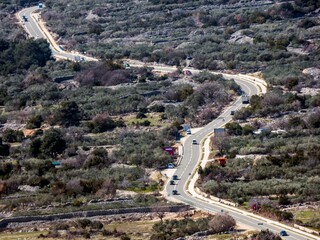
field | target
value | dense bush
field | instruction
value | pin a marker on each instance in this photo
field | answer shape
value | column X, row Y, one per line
column 34, row 122
column 281, row 175
column 265, row 235
column 173, row 229
column 4, row 149
column 21, row 55
column 175, row 41
column 101, row 123
column 68, row 114
column 10, row 135
column 50, row 145
column 143, row 149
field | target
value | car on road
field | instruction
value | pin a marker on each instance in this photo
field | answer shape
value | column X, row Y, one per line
column 171, row 182
column 170, row 165
column 188, row 131
column 174, row 192
column 175, row 177
column 232, row 112
column 24, row 17
column 194, row 141
column 283, row 233
column 260, row 223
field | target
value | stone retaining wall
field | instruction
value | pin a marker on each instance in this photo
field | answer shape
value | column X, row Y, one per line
column 84, row 214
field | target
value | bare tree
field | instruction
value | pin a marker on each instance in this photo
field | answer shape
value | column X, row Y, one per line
column 108, row 188
column 160, row 213
column 74, row 186
column 222, row 143
column 221, row 223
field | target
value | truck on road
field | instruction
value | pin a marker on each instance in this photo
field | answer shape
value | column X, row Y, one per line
column 245, row 98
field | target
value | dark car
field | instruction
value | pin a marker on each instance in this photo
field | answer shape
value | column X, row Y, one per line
column 232, row 112
column 171, row 182
column 283, row 233
column 174, row 192
column 175, row 177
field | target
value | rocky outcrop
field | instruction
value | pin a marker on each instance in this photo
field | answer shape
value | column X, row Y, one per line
column 240, row 37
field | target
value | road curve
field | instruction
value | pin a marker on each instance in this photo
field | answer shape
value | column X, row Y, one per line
column 191, row 158
column 191, row 155
column 36, row 29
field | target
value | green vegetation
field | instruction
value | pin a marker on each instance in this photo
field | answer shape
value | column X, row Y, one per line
column 173, row 229
column 78, row 131
column 308, row 217
column 21, row 55
column 71, row 137
column 24, row 235
column 279, row 167
column 290, row 167
column 216, row 34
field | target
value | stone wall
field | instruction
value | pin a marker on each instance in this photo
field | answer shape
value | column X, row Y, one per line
column 85, row 214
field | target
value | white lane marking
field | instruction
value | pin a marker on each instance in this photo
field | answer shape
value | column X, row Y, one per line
column 35, row 32
column 190, row 158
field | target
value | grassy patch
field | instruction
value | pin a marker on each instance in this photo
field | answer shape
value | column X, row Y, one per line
column 245, row 205
column 307, row 215
column 24, row 235
column 219, row 236
column 136, row 230
column 154, row 119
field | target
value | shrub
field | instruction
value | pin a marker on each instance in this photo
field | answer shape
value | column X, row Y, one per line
column 96, row 225
column 10, row 135
column 140, row 115
column 101, row 123
column 52, row 143
column 222, row 223
column 68, row 114
column 83, row 223
column 98, row 157
column 157, row 108
column 34, row 122
column 266, row 234
column 4, row 149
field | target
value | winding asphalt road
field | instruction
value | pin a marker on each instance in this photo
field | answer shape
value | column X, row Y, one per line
column 191, row 155
column 33, row 28
column 191, row 158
